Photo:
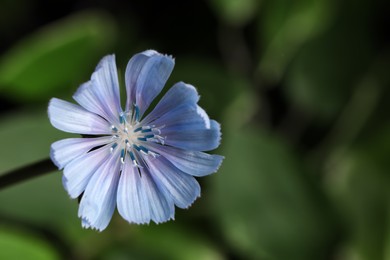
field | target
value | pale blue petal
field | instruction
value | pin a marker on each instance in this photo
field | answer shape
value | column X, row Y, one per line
column 191, row 162
column 133, row 69
column 90, row 97
column 192, row 138
column 151, row 80
column 183, row 188
column 185, row 116
column 99, row 199
column 106, row 87
column 72, row 118
column 159, row 200
column 189, row 127
column 180, row 94
column 64, row 151
column 78, row 172
column 132, row 200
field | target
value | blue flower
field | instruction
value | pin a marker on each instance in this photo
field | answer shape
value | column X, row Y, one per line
column 144, row 164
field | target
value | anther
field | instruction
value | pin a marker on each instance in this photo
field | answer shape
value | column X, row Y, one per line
column 113, row 147
column 123, row 156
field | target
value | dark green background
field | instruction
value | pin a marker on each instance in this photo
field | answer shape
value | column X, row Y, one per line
column 301, row 89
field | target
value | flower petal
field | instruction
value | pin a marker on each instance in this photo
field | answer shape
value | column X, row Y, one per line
column 159, row 200
column 133, row 203
column 106, row 87
column 64, row 151
column 98, row 202
column 192, row 138
column 78, row 172
column 191, row 162
column 146, row 74
column 89, row 97
column 72, row 118
column 178, row 95
column 133, row 69
column 183, row 188
column 184, row 116
column 189, row 127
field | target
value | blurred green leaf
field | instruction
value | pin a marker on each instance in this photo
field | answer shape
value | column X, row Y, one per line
column 57, row 56
column 285, row 27
column 26, row 138
column 358, row 181
column 216, row 86
column 264, row 202
column 21, row 245
column 172, row 240
column 236, row 12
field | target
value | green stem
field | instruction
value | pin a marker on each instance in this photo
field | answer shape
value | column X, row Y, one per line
column 27, row 172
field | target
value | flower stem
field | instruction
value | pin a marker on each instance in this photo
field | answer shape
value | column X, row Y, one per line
column 27, row 172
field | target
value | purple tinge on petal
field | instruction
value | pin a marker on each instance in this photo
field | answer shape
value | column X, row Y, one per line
column 180, row 94
column 183, row 188
column 191, row 162
column 64, row 151
column 72, row 118
column 146, row 75
column 98, row 202
column 132, row 200
column 193, row 138
column 189, row 127
column 90, row 98
column 106, row 87
column 160, row 202
column 133, row 69
column 78, row 172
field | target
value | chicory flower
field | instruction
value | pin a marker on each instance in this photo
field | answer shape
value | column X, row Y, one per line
column 143, row 164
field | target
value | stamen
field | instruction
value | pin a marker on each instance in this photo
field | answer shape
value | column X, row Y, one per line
column 136, row 113
column 146, row 130
column 122, row 118
column 123, row 156
column 136, row 147
column 143, row 150
column 148, row 136
column 114, row 129
column 113, row 147
column 132, row 157
column 155, row 155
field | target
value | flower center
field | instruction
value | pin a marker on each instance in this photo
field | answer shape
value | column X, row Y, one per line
column 132, row 137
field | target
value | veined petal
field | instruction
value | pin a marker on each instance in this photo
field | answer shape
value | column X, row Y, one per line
column 185, row 116
column 64, row 151
column 183, row 188
column 192, row 138
column 132, row 200
column 159, row 200
column 78, row 172
column 191, row 162
column 151, row 79
column 180, row 94
column 98, row 202
column 106, row 87
column 90, row 98
column 133, row 69
column 72, row 118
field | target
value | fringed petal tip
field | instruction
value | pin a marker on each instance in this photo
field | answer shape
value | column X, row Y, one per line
column 53, row 158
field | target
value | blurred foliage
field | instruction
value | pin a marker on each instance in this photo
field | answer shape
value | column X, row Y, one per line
column 55, row 57
column 301, row 90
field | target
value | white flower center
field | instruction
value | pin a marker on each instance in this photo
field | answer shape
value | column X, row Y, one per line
column 131, row 137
